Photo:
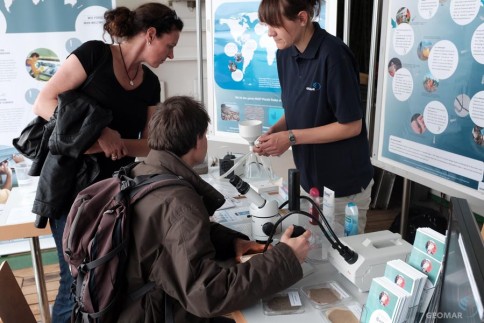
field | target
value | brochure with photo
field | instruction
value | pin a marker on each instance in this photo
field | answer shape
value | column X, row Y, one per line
column 431, row 242
column 432, row 268
column 426, row 264
column 408, row 278
column 386, row 302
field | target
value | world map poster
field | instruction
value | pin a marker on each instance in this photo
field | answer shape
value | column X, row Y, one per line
column 245, row 81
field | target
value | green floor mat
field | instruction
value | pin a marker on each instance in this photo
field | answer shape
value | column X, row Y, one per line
column 24, row 260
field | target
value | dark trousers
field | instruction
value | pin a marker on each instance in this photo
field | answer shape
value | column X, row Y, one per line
column 61, row 312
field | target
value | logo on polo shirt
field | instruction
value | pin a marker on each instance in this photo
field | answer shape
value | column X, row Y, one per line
column 315, row 86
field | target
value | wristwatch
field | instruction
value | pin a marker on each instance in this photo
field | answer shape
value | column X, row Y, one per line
column 292, row 138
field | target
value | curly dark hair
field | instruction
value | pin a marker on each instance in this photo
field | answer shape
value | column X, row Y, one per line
column 122, row 22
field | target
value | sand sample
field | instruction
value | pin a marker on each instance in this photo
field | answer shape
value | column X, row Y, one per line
column 341, row 315
column 280, row 303
column 323, row 295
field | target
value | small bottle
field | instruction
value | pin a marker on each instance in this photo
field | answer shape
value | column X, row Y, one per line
column 351, row 219
column 314, row 193
column 316, row 240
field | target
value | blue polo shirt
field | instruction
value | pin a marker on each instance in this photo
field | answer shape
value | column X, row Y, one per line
column 321, row 86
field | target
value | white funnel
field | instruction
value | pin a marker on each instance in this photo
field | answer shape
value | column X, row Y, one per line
column 250, row 130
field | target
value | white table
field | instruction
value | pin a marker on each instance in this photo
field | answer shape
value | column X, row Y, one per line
column 16, row 222
column 323, row 272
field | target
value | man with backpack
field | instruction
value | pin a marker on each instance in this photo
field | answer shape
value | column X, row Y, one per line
column 174, row 245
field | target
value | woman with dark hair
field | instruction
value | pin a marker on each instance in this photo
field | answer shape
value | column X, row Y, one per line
column 121, row 84
column 324, row 119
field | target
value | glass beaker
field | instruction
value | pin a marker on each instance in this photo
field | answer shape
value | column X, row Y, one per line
column 255, row 168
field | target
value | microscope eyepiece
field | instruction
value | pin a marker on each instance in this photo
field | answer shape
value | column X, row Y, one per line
column 245, row 189
column 241, row 186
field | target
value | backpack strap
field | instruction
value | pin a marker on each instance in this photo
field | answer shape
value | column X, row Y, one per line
column 136, row 188
column 84, row 268
column 168, row 300
column 134, row 295
column 125, row 170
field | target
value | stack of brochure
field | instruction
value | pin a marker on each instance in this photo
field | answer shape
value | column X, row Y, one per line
column 408, row 278
column 426, row 256
column 386, row 302
column 405, row 290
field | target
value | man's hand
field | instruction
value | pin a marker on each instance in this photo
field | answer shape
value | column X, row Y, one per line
column 300, row 245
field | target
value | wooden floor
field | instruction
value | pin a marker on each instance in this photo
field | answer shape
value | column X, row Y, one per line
column 377, row 220
column 26, row 281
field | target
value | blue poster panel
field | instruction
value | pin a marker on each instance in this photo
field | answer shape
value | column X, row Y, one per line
column 432, row 99
column 243, row 81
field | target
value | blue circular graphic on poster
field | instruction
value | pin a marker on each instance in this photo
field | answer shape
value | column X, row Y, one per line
column 244, row 55
column 31, row 94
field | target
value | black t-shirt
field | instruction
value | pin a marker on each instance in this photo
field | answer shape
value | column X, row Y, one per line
column 129, row 107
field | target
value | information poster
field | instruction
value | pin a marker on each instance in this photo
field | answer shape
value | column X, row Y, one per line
column 36, row 36
column 432, row 99
column 243, row 80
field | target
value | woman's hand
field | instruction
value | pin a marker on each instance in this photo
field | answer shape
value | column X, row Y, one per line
column 243, row 247
column 272, row 144
column 112, row 144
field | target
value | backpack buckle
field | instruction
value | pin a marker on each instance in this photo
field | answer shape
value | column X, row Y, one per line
column 82, row 268
column 127, row 182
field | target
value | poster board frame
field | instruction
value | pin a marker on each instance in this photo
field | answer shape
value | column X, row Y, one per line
column 384, row 139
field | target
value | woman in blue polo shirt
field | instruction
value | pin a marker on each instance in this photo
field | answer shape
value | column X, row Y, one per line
column 323, row 117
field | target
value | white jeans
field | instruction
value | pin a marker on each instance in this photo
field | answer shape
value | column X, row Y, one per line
column 362, row 200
